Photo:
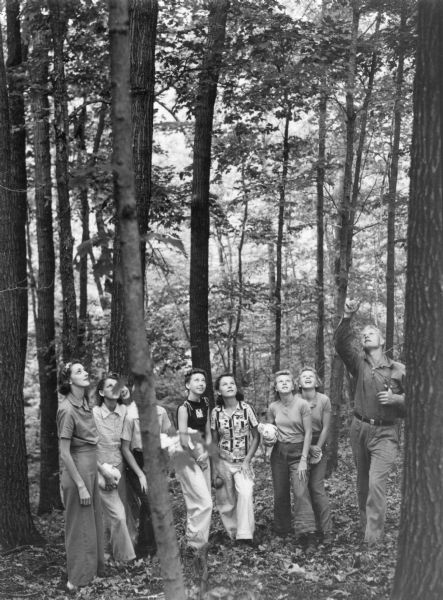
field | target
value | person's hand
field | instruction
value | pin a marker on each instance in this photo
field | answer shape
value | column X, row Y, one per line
column 303, row 469
column 351, row 307
column 110, row 481
column 315, row 451
column 202, row 461
column 387, row 398
column 143, row 483
column 246, row 469
column 85, row 498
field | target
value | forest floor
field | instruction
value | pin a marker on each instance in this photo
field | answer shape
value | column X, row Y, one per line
column 275, row 569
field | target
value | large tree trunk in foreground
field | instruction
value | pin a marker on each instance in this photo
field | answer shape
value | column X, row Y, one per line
column 58, row 21
column 204, row 113
column 45, row 324
column 138, row 351
column 143, row 29
column 16, row 525
column 420, row 547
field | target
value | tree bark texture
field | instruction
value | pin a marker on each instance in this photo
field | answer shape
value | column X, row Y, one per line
column 16, row 525
column 45, row 324
column 392, row 191
column 16, row 79
column 142, row 29
column 420, row 546
column 204, row 113
column 138, row 351
column 57, row 13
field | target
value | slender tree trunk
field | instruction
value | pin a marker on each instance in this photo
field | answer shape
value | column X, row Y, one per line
column 204, row 113
column 279, row 245
column 16, row 525
column 45, row 324
column 139, row 356
column 420, row 546
column 392, row 192
column 57, row 14
column 235, row 353
column 320, row 334
column 83, row 266
column 341, row 265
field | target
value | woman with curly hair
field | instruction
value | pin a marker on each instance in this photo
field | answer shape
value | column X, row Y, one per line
column 78, row 438
column 234, row 431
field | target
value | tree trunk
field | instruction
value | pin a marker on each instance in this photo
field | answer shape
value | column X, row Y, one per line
column 143, row 30
column 57, row 18
column 45, row 324
column 16, row 525
column 83, row 319
column 341, row 265
column 392, row 192
column 321, row 166
column 420, row 547
column 279, row 245
column 235, row 352
column 204, row 113
column 138, row 351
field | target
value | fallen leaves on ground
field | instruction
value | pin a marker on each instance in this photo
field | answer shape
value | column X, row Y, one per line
column 276, row 568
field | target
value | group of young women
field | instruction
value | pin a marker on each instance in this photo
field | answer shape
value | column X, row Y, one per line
column 98, row 444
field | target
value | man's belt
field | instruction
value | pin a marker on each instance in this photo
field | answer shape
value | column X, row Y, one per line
column 378, row 422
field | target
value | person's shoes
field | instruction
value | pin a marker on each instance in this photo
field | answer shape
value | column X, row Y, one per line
column 307, row 541
column 71, row 588
column 327, row 538
column 247, row 543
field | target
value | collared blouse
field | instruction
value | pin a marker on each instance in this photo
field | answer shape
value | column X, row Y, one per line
column 110, row 425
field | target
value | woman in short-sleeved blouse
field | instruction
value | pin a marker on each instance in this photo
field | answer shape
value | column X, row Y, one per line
column 289, row 459
column 78, row 438
column 320, row 405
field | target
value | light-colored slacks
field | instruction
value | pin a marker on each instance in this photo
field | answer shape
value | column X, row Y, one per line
column 235, row 501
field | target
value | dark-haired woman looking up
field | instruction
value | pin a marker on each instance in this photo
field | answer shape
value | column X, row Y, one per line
column 78, row 438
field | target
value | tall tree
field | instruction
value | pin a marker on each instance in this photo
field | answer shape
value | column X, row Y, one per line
column 420, row 545
column 143, row 16
column 139, row 358
column 16, row 525
column 204, row 114
column 45, row 323
column 279, row 243
column 58, row 20
column 393, row 177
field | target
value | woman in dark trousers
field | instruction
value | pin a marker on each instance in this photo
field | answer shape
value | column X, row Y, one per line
column 78, row 437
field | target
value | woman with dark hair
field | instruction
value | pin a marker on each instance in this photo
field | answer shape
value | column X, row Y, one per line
column 78, row 437
column 289, row 460
column 194, row 474
column 308, row 384
column 110, row 416
column 233, row 422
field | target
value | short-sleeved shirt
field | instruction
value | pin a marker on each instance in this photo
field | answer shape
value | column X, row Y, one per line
column 320, row 405
column 288, row 419
column 132, row 425
column 197, row 414
column 75, row 422
column 233, row 431
column 111, row 432
column 370, row 378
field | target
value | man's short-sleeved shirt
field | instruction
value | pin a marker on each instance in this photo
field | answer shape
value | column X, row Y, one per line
column 111, row 432
column 233, row 431
column 289, row 419
column 75, row 421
